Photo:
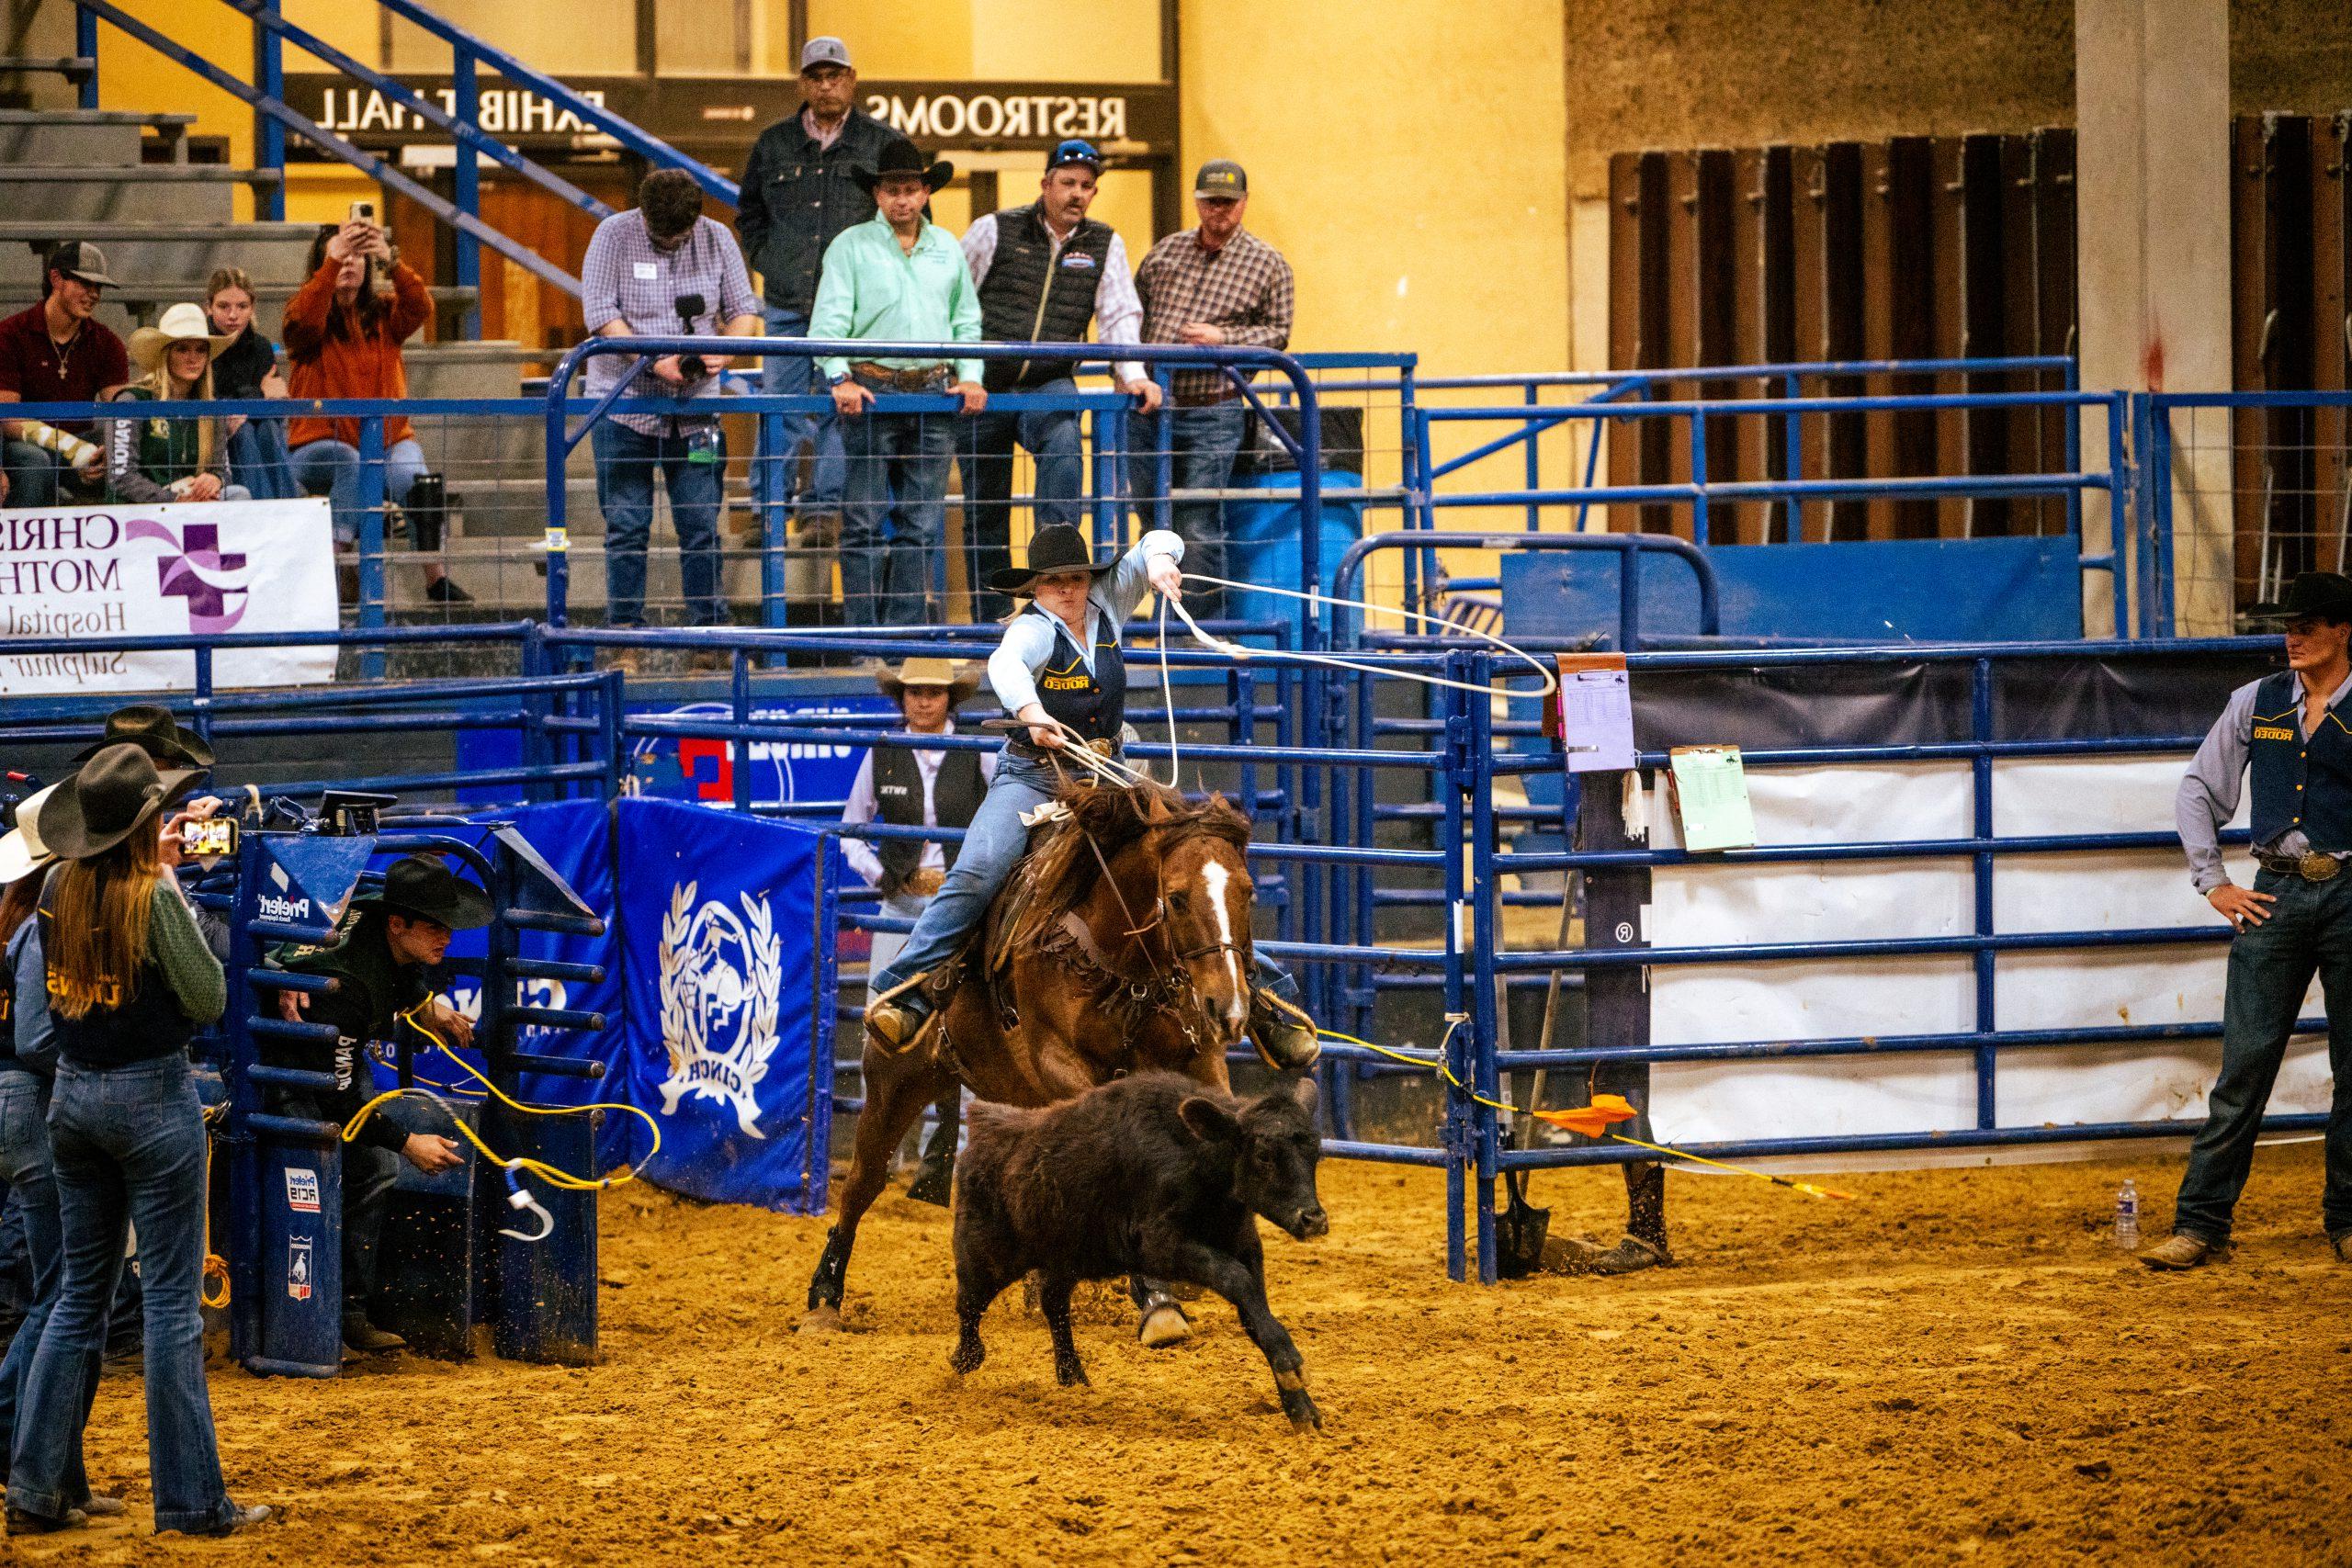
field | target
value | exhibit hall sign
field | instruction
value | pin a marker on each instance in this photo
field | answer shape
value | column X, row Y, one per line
column 731, row 112
column 102, row 573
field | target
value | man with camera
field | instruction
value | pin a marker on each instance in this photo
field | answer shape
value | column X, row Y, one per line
column 663, row 269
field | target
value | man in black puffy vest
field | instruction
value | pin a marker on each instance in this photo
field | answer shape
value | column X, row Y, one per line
column 908, row 788
column 2294, row 922
column 1043, row 272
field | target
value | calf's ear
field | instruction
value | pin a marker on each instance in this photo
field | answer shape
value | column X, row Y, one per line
column 1302, row 1090
column 1208, row 1121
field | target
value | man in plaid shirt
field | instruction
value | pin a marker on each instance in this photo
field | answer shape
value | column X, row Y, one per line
column 1214, row 284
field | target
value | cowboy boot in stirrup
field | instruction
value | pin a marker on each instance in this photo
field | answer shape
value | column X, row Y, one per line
column 897, row 1015
column 1283, row 1031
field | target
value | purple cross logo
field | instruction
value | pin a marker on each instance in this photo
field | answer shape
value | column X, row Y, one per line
column 182, row 572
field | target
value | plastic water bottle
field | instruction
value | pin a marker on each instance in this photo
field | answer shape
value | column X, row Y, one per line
column 2127, row 1217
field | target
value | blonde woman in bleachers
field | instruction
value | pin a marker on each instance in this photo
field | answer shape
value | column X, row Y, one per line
column 158, row 458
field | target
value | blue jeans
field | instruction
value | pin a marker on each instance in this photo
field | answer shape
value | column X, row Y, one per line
column 894, row 515
column 1050, row 438
column 130, row 1148
column 626, row 461
column 37, row 476
column 2271, row 965
column 1202, row 444
column 993, row 844
column 258, row 460
column 31, row 1174
column 331, row 468
column 777, row 477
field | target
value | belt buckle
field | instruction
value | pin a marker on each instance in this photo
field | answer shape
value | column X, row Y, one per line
column 1103, row 749
column 2317, row 867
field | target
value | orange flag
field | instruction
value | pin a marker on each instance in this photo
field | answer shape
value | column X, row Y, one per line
column 1593, row 1121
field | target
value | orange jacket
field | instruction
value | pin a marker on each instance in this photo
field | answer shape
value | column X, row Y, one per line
column 349, row 352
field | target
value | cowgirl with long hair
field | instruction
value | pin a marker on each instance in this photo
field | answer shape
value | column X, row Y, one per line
column 129, row 978
column 156, row 458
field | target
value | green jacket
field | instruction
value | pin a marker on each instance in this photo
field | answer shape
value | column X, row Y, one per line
column 145, row 454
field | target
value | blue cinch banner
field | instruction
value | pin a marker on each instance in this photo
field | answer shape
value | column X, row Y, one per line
column 728, row 1041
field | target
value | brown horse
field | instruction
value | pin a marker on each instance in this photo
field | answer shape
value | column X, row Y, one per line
column 1121, row 944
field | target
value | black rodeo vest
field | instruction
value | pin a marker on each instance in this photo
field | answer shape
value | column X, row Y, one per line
column 1032, row 296
column 1093, row 703
column 897, row 796
column 2299, row 781
column 118, row 1030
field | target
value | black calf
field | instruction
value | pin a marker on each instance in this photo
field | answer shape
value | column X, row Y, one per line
column 1151, row 1175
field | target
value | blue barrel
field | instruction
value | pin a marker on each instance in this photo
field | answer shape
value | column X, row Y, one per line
column 1261, row 546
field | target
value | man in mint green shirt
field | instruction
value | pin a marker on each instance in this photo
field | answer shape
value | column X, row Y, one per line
column 898, row 277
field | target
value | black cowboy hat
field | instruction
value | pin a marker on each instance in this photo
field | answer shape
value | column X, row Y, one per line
column 902, row 157
column 104, row 803
column 2323, row 595
column 1057, row 547
column 152, row 728
column 421, row 886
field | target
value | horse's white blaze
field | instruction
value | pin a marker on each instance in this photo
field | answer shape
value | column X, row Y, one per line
column 1216, row 876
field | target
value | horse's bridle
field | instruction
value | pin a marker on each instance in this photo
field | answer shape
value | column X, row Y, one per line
column 1180, row 983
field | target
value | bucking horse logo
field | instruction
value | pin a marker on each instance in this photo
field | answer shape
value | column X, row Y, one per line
column 720, row 971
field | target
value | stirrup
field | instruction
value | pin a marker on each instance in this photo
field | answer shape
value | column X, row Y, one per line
column 1273, row 1016
column 910, row 1019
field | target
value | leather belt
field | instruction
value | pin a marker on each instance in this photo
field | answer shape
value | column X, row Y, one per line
column 1031, row 754
column 925, row 379
column 2313, row 867
column 1229, row 395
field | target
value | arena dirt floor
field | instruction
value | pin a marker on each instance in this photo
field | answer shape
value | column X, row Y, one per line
column 1956, row 1366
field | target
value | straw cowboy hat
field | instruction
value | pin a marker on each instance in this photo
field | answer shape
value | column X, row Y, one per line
column 113, row 795
column 153, row 730
column 181, row 323
column 422, row 885
column 927, row 673
column 22, row 852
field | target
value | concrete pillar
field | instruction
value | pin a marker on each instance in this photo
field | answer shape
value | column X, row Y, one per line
column 2152, row 106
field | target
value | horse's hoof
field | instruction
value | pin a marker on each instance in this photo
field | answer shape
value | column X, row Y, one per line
column 1162, row 1326
column 819, row 1320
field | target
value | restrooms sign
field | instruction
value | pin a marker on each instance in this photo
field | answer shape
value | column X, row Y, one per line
column 97, row 574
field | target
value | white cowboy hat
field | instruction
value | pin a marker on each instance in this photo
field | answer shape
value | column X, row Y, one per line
column 181, row 323
column 21, row 852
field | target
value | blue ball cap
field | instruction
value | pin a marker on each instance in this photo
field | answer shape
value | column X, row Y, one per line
column 1075, row 152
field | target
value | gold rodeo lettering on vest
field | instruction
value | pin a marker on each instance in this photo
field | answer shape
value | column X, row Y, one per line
column 2272, row 732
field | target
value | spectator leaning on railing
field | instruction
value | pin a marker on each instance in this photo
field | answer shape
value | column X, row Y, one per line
column 1217, row 283
column 1043, row 272
column 343, row 339
column 663, row 269
column 800, row 190
column 54, row 352
column 247, row 369
column 899, row 279
column 156, row 458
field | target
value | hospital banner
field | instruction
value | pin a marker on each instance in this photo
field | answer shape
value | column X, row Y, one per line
column 728, row 1032
column 104, row 572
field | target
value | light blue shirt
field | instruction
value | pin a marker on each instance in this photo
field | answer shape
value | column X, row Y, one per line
column 28, row 973
column 2209, row 791
column 1029, row 640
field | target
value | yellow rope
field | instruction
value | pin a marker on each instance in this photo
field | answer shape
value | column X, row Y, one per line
column 562, row 1180
column 1447, row 1073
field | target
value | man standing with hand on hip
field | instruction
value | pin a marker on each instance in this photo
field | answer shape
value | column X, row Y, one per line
column 2294, row 922
column 1217, row 284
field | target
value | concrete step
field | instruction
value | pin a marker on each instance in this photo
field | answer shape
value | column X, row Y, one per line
column 91, row 140
column 137, row 251
column 195, row 193
column 137, row 304
column 73, row 68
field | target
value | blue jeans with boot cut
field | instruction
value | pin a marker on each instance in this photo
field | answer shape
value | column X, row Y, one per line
column 130, row 1148
column 2308, row 932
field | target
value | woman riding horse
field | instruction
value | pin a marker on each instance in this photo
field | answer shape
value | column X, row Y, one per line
column 1060, row 670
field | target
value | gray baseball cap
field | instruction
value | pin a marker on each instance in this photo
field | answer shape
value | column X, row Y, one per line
column 824, row 52
column 1221, row 177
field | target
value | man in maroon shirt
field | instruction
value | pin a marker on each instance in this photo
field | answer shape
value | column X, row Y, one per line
column 54, row 352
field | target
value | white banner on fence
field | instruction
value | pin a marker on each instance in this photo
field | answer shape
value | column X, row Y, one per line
column 98, row 573
column 1702, row 905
